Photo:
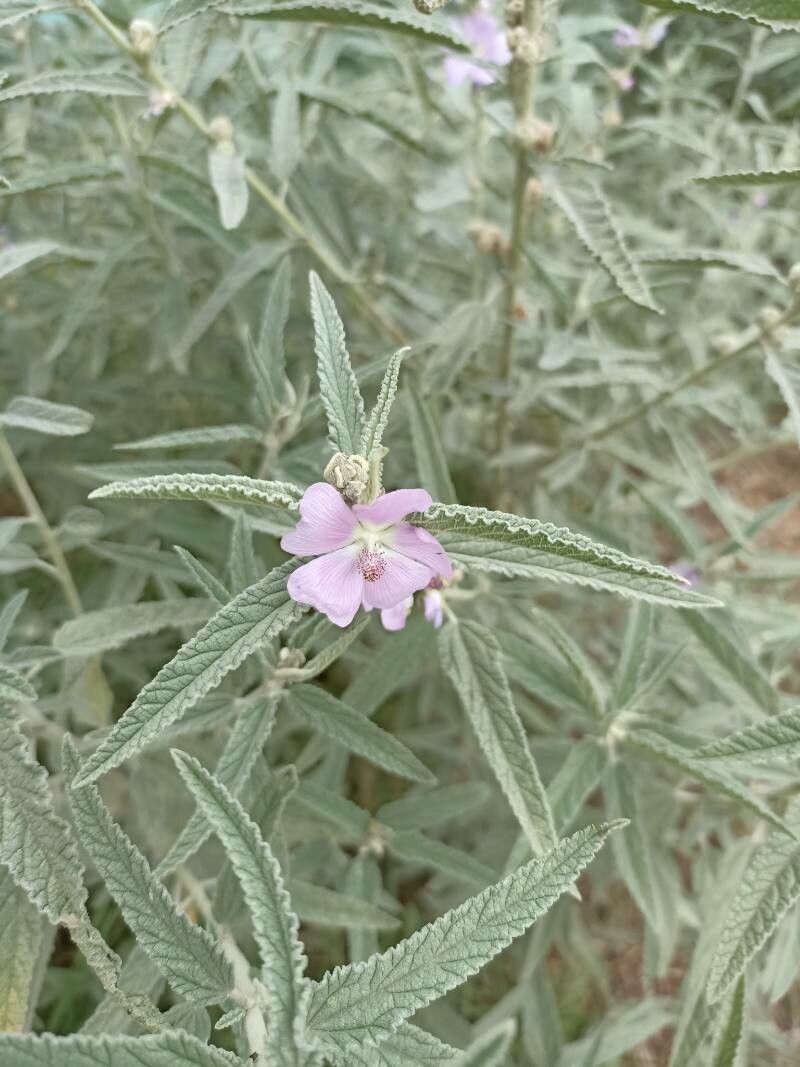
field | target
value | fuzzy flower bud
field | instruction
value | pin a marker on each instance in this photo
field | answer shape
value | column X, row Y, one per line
column 220, row 129
column 725, row 343
column 769, row 317
column 515, row 9
column 794, row 278
column 348, row 474
column 534, row 192
column 291, row 657
column 522, row 45
column 488, row 238
column 144, row 37
column 536, row 134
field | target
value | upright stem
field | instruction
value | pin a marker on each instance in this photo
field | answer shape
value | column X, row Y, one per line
column 31, row 504
column 521, row 82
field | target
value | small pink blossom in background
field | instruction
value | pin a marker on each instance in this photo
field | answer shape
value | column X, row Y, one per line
column 627, row 36
column 657, row 33
column 367, row 556
column 160, row 101
column 687, row 572
column 625, row 80
column 481, row 30
column 760, row 200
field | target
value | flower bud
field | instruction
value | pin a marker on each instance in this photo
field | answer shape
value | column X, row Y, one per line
column 535, row 134
column 488, row 238
column 20, row 35
column 522, row 45
column 794, row 279
column 515, row 9
column 534, row 192
column 725, row 343
column 220, row 129
column 291, row 657
column 348, row 474
column 769, row 317
column 144, row 37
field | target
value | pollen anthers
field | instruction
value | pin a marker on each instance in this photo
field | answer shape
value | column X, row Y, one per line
column 371, row 563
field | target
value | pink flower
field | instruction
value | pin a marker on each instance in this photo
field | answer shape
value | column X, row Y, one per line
column 627, row 36
column 366, row 555
column 433, row 608
column 488, row 42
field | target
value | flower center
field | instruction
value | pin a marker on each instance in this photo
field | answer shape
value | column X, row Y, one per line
column 372, row 564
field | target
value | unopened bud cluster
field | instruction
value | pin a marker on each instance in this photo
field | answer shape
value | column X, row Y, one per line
column 348, row 474
column 220, row 130
column 488, row 238
column 794, row 279
column 144, row 37
column 535, row 134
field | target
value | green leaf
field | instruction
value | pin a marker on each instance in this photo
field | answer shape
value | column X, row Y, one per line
column 661, row 749
column 429, row 455
column 786, row 375
column 631, row 847
column 42, row 416
column 244, row 745
column 184, row 953
column 586, row 676
column 286, row 143
column 578, row 776
column 214, row 488
column 35, row 844
column 100, row 631
column 203, row 578
column 590, row 215
column 408, row 1046
column 173, row 1048
column 14, row 688
column 472, row 660
column 419, row 850
column 21, row 939
column 365, row 1002
column 492, row 1048
column 700, row 258
column 352, row 13
column 731, row 1032
column 325, row 907
column 635, row 649
column 97, row 83
column 756, row 177
column 431, row 807
column 777, row 14
column 267, row 359
column 322, row 711
column 199, row 437
column 338, row 387
column 18, row 255
column 69, row 174
column 236, row 631
column 274, row 923
column 505, row 544
column 9, row 613
column 258, row 258
column 226, row 172
column 770, row 886
column 777, row 738
column 379, row 416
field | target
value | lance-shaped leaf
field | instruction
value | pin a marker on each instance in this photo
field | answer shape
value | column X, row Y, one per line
column 408, row 1046
column 338, row 387
column 578, row 776
column 14, row 256
column 777, row 738
column 325, row 907
column 472, row 659
column 785, row 372
column 200, row 436
column 635, row 648
column 13, row 687
column 322, row 711
column 365, row 1002
column 505, row 544
column 226, row 171
column 490, row 1049
column 631, row 847
column 419, row 850
column 21, row 937
column 42, row 416
column 590, row 215
column 267, row 357
column 215, row 488
column 586, row 675
column 97, row 83
column 223, row 644
column 274, row 923
column 108, row 628
column 420, row 810
column 379, row 416
column 35, row 844
column 777, row 14
column 752, row 177
column 244, row 745
column 173, row 1048
column 184, row 953
column 429, row 455
column 731, row 1031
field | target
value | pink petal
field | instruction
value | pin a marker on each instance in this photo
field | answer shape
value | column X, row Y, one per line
column 332, row 584
column 432, row 608
column 422, row 546
column 401, row 578
column 395, row 618
column 326, row 523
column 392, row 507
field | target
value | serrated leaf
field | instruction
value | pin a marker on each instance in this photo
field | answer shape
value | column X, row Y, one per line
column 786, row 375
column 203, row 578
column 379, row 416
column 173, row 1048
column 69, row 174
column 108, row 628
column 660, row 748
column 42, row 416
column 97, row 83
column 205, row 435
column 589, row 212
column 338, row 387
column 184, row 953
column 248, row 265
column 472, row 660
column 9, row 613
column 777, row 14
column 274, row 922
column 721, row 258
column 325, row 907
column 429, row 456
column 215, row 488
column 21, row 936
column 363, row 1003
column 35, row 843
column 431, row 807
column 226, row 172
column 492, row 1048
column 505, row 544
column 776, row 738
column 244, row 745
column 267, row 358
column 14, row 688
column 754, row 177
column 408, row 1046
column 322, row 711
column 236, row 631
column 419, row 850
column 351, row 13
column 731, row 1031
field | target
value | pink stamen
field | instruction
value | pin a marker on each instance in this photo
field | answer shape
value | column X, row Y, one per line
column 371, row 564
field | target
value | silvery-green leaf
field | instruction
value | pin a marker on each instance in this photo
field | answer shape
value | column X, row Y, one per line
column 408, row 1046
column 42, row 416
column 35, row 843
column 363, row 881
column 710, row 257
column 586, row 675
column 491, row 1049
column 215, row 488
column 634, row 654
column 422, row 809
column 173, row 1048
column 274, row 922
column 338, row 387
column 578, row 776
column 631, row 846
column 139, row 977
column 202, row 435
column 379, row 416
column 419, row 850
column 776, row 738
column 236, row 631
column 242, row 569
column 21, row 937
column 205, row 581
column 505, row 544
column 431, row 461
column 618, row 1034
column 97, row 83
column 286, row 145
column 267, row 358
column 731, row 1031
column 13, row 687
column 108, row 628
column 785, row 372
column 329, row 811
column 325, row 907
column 472, row 659
column 14, row 256
column 364, row 1003
column 752, row 177
column 322, row 711
column 69, row 174
column 778, row 14
column 184, row 953
column 396, row 663
column 9, row 613
column 226, row 171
